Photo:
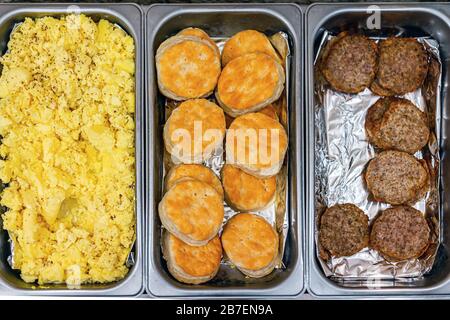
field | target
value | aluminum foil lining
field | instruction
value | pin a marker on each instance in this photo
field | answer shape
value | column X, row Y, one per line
column 276, row 212
column 342, row 152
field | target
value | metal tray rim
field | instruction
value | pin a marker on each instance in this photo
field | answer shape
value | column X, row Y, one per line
column 332, row 289
column 150, row 268
column 136, row 273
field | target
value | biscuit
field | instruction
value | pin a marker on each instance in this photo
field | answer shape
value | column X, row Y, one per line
column 193, row 171
column 197, row 32
column 191, row 264
column 397, row 124
column 247, row 41
column 351, row 63
column 402, row 65
column 400, row 233
column 249, row 83
column 397, row 177
column 270, row 111
column 194, row 130
column 245, row 192
column 344, row 230
column 251, row 244
column 193, row 211
column 187, row 67
column 256, row 144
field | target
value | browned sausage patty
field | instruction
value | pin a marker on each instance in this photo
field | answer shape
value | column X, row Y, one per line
column 402, row 66
column 397, row 177
column 373, row 121
column 396, row 123
column 351, row 63
column 344, row 230
column 379, row 90
column 400, row 233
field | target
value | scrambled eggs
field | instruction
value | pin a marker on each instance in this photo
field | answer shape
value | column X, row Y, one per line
column 67, row 102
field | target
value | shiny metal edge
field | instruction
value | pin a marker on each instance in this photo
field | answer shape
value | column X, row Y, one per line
column 318, row 286
column 131, row 17
column 158, row 283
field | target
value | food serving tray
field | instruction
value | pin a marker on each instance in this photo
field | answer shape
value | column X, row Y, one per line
column 130, row 18
column 418, row 20
column 221, row 20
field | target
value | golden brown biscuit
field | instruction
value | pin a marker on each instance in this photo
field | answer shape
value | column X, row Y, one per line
column 270, row 111
column 193, row 211
column 197, row 32
column 194, row 171
column 256, row 144
column 192, row 264
column 247, row 41
column 187, row 67
column 194, row 130
column 251, row 244
column 245, row 192
column 249, row 83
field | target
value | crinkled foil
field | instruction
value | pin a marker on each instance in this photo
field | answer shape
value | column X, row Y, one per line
column 342, row 152
column 275, row 213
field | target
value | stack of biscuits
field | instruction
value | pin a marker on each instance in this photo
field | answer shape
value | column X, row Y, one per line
column 397, row 129
column 247, row 78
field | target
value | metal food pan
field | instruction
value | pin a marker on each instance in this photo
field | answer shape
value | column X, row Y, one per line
column 163, row 21
column 433, row 20
column 130, row 18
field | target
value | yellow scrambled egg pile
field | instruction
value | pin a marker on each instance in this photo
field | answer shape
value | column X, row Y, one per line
column 67, row 102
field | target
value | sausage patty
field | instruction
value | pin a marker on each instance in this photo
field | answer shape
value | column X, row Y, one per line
column 396, row 123
column 351, row 63
column 397, row 177
column 400, row 233
column 379, row 90
column 343, row 230
column 402, row 66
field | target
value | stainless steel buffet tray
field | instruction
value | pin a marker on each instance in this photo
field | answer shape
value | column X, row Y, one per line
column 130, row 18
column 163, row 21
column 417, row 20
